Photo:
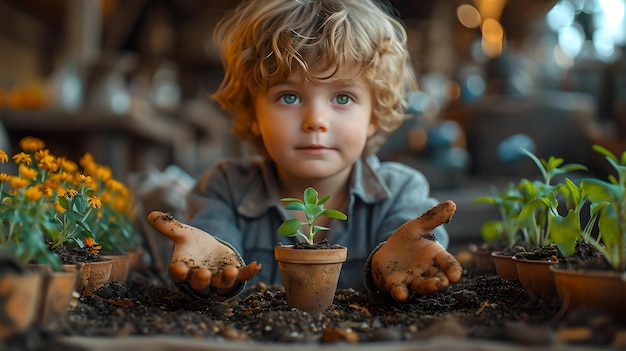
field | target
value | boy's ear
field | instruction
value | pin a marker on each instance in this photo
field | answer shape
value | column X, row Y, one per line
column 372, row 127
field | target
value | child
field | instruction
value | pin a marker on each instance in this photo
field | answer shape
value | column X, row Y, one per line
column 316, row 86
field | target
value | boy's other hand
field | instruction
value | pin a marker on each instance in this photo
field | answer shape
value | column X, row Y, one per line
column 412, row 260
column 199, row 259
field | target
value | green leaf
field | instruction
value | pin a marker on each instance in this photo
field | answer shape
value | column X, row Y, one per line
column 597, row 190
column 310, row 196
column 312, row 210
column 491, row 230
column 323, row 199
column 295, row 206
column 565, row 231
column 290, row 227
column 334, row 214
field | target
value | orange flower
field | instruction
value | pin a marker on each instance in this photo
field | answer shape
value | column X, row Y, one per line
column 94, row 202
column 22, row 157
column 18, row 183
column 27, row 172
column 3, row 156
column 33, row 193
column 32, row 144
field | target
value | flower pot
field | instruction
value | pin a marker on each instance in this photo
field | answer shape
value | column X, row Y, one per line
column 57, row 291
column 536, row 276
column 310, row 276
column 19, row 301
column 119, row 268
column 506, row 268
column 92, row 275
column 484, row 261
column 135, row 259
column 600, row 290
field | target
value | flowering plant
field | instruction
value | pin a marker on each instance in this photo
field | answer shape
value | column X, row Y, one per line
column 52, row 202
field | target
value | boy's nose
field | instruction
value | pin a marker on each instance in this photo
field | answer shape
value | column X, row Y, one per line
column 315, row 120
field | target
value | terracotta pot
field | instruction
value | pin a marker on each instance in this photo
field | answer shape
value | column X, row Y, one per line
column 484, row 261
column 600, row 290
column 135, row 259
column 92, row 275
column 57, row 291
column 20, row 296
column 536, row 276
column 120, row 267
column 310, row 276
column 506, row 268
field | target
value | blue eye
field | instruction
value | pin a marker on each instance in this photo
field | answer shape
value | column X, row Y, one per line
column 289, row 98
column 342, row 99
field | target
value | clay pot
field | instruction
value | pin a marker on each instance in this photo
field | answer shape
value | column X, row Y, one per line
column 92, row 275
column 506, row 268
column 135, row 259
column 536, row 276
column 120, row 267
column 484, row 261
column 57, row 291
column 599, row 290
column 20, row 298
column 310, row 276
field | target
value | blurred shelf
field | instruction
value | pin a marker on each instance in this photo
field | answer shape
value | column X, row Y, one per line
column 125, row 143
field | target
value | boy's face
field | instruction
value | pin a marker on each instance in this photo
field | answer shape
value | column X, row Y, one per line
column 315, row 130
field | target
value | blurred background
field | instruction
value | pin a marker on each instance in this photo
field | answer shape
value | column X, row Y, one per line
column 130, row 81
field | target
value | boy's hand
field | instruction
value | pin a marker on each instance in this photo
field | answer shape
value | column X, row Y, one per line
column 198, row 258
column 412, row 259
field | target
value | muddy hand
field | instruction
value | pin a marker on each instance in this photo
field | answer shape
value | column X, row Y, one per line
column 412, row 260
column 199, row 258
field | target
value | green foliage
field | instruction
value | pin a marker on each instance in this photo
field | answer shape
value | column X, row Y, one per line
column 608, row 204
column 52, row 199
column 525, row 208
column 313, row 208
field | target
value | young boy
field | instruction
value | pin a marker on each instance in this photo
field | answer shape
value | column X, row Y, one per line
column 316, row 86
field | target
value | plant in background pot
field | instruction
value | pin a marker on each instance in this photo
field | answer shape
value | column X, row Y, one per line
column 51, row 208
column 310, row 272
column 592, row 278
column 499, row 234
column 524, row 222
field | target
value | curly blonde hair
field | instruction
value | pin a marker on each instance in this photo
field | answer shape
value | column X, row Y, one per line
column 263, row 41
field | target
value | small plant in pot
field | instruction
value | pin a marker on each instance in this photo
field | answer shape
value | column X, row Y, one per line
column 590, row 274
column 310, row 271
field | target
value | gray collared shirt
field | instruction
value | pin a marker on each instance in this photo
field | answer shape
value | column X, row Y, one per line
column 237, row 201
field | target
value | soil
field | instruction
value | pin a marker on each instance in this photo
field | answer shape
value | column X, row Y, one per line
column 484, row 307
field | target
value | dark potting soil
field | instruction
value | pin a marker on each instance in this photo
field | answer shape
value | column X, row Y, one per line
column 478, row 307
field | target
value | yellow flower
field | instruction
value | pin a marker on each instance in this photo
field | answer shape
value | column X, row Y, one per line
column 85, row 178
column 3, row 156
column 46, row 161
column 58, row 207
column 18, row 183
column 67, row 165
column 70, row 193
column 22, row 157
column 33, row 193
column 94, row 202
column 27, row 172
column 103, row 173
column 32, row 144
column 5, row 178
column 92, row 245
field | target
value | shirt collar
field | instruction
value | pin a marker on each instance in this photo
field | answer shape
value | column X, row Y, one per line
column 263, row 192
